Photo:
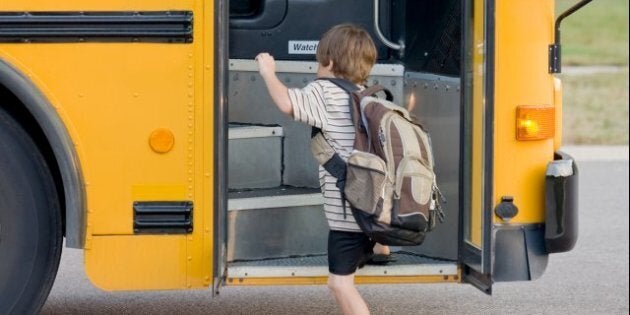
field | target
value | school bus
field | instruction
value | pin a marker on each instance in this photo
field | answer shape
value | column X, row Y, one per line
column 141, row 132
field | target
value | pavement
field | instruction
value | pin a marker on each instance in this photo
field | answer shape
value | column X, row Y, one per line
column 590, row 279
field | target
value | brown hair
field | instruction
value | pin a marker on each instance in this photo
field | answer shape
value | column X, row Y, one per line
column 351, row 50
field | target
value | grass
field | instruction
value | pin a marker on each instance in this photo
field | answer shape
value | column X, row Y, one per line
column 596, row 104
column 595, row 108
column 597, row 34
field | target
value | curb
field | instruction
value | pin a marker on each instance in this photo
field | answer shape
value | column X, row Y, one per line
column 597, row 152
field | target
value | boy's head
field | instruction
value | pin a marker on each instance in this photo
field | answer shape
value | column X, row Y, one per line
column 351, row 50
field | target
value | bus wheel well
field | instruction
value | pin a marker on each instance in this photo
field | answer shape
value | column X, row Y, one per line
column 10, row 103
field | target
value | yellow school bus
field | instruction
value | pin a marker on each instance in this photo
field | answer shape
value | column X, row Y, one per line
column 141, row 132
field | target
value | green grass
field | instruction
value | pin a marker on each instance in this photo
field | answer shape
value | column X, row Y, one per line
column 597, row 34
column 595, row 108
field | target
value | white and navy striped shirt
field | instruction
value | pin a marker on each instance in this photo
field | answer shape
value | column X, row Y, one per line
column 324, row 105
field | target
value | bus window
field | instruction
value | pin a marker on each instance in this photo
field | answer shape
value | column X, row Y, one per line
column 244, row 8
column 290, row 29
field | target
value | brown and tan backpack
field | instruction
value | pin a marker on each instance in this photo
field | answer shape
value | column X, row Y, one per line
column 388, row 179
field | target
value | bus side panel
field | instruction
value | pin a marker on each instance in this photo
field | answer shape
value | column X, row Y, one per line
column 524, row 29
column 112, row 96
column 128, row 262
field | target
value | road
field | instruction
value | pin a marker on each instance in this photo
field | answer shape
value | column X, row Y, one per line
column 591, row 279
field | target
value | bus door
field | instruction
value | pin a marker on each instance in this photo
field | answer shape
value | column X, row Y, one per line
column 476, row 253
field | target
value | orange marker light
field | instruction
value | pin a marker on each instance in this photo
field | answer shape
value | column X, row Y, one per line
column 161, row 140
column 535, row 122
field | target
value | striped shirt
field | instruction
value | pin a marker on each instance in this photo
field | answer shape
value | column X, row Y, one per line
column 324, row 105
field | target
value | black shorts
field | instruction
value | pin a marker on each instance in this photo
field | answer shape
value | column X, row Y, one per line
column 348, row 251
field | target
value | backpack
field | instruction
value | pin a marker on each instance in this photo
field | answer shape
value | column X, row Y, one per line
column 388, row 178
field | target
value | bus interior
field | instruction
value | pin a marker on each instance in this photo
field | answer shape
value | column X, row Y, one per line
column 275, row 223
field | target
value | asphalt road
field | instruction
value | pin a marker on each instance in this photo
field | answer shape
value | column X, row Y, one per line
column 591, row 279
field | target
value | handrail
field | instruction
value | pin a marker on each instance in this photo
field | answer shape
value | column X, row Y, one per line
column 400, row 46
column 555, row 49
column 566, row 13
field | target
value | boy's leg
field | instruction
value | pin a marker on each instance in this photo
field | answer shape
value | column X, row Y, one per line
column 346, row 294
column 347, row 251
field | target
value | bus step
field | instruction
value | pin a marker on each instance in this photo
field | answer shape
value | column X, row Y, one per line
column 406, row 264
column 278, row 222
column 255, row 156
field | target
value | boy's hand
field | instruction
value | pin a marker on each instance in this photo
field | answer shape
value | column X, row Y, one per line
column 266, row 64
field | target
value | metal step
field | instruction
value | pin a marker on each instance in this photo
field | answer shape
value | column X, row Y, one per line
column 277, row 222
column 407, row 264
column 255, row 156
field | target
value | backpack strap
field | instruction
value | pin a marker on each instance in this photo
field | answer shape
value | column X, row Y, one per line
column 335, row 165
column 372, row 90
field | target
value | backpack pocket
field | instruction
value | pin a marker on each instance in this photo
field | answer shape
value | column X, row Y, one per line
column 413, row 195
column 365, row 180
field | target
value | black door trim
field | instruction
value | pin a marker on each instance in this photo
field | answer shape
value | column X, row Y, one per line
column 221, row 40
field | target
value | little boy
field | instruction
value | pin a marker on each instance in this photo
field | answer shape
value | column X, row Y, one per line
column 345, row 51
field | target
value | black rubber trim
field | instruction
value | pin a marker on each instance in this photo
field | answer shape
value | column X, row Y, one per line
column 561, row 209
column 220, row 153
column 488, row 202
column 63, row 27
column 60, row 142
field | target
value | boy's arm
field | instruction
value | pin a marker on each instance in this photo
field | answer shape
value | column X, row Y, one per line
column 278, row 91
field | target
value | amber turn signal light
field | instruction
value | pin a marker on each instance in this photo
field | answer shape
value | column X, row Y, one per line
column 535, row 122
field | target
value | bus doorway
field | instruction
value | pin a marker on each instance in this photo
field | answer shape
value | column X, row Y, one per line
column 276, row 230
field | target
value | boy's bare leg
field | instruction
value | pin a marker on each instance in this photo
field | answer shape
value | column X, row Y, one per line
column 381, row 249
column 347, row 296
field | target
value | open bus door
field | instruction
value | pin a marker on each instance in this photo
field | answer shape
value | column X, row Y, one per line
column 476, row 252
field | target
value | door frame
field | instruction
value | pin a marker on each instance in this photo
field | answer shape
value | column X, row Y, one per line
column 476, row 263
column 220, row 128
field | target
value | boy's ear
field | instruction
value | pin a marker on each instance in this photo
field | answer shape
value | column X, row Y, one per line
column 329, row 66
